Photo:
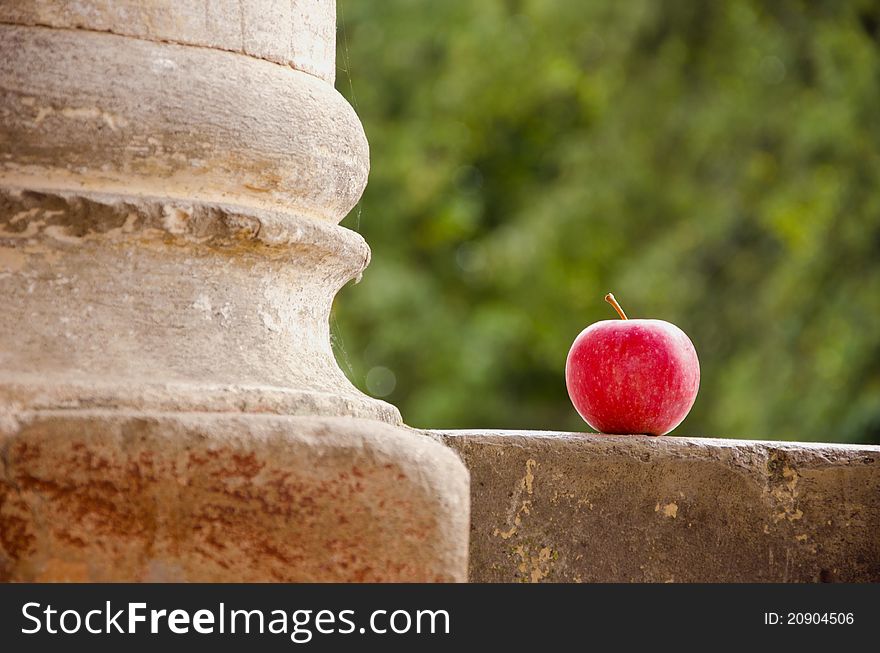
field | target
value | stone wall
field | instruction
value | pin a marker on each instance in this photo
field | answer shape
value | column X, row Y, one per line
column 567, row 507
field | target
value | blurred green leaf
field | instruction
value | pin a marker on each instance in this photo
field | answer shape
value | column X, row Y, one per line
column 716, row 165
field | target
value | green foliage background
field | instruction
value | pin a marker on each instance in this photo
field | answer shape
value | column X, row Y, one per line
column 714, row 164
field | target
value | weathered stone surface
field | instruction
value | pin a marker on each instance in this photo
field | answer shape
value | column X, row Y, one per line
column 153, row 304
column 300, row 33
column 96, row 112
column 579, row 507
column 112, row 496
column 168, row 257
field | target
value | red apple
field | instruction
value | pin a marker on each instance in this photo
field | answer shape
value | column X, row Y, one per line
column 632, row 376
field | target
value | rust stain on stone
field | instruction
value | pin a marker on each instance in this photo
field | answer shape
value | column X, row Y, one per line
column 246, row 465
column 16, row 537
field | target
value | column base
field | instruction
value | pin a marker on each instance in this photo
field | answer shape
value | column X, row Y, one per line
column 122, row 496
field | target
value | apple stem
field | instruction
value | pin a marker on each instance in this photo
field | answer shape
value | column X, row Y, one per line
column 610, row 299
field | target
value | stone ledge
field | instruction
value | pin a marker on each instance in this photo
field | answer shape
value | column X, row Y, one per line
column 582, row 507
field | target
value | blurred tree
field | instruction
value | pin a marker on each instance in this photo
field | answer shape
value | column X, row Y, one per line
column 716, row 165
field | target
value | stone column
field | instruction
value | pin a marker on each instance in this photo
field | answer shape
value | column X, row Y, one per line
column 171, row 178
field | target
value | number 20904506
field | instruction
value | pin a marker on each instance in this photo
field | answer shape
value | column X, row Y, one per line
column 803, row 618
